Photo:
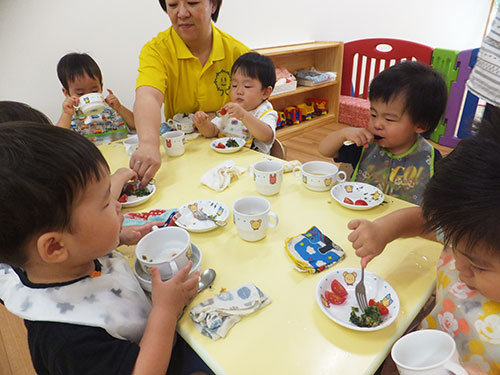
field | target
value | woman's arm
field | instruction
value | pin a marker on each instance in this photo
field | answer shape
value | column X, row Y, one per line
column 147, row 113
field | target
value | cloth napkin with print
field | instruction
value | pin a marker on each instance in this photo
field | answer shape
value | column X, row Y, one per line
column 215, row 316
column 159, row 214
column 312, row 251
column 219, row 178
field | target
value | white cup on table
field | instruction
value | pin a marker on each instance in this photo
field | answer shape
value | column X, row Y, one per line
column 131, row 144
column 268, row 176
column 319, row 175
column 174, row 142
column 427, row 352
column 252, row 215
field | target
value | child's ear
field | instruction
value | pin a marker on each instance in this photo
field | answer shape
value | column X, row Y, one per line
column 65, row 92
column 50, row 247
column 267, row 92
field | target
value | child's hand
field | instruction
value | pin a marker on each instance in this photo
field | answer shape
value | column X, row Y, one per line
column 69, row 105
column 113, row 101
column 360, row 136
column 172, row 295
column 367, row 239
column 131, row 234
column 199, row 118
column 124, row 175
column 235, row 110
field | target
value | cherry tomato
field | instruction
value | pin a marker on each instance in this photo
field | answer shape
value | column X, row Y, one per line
column 223, row 111
column 220, row 145
column 348, row 201
column 334, row 298
column 338, row 288
column 123, row 198
column 381, row 307
column 360, row 202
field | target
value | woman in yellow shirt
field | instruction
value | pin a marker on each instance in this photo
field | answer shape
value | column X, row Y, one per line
column 186, row 68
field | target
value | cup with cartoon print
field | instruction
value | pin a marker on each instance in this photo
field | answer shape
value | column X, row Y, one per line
column 173, row 142
column 319, row 175
column 252, row 217
column 268, row 176
column 425, row 352
column 182, row 122
column 91, row 104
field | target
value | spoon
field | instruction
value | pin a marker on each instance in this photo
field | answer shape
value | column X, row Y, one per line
column 207, row 277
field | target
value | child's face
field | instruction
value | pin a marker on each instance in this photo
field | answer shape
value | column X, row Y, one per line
column 247, row 92
column 479, row 270
column 83, row 85
column 96, row 222
column 393, row 125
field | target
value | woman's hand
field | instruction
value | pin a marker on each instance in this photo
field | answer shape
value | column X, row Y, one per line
column 145, row 162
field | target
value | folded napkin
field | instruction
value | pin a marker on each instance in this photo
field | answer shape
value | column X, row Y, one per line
column 219, row 178
column 312, row 251
column 288, row 165
column 215, row 316
column 159, row 214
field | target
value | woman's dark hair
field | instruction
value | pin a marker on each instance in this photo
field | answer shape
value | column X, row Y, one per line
column 75, row 65
column 424, row 91
column 17, row 111
column 44, row 170
column 215, row 14
column 462, row 199
column 256, row 66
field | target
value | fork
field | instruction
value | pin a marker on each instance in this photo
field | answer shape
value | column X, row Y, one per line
column 360, row 291
column 200, row 215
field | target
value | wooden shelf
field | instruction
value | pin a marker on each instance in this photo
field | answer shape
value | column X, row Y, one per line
column 323, row 56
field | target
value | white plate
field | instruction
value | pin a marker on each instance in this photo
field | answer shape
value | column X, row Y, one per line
column 227, row 150
column 135, row 200
column 355, row 191
column 210, row 207
column 376, row 288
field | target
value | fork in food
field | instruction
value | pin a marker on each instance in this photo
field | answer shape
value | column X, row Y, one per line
column 200, row 215
column 360, row 291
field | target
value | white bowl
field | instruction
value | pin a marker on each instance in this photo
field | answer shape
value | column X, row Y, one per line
column 144, row 278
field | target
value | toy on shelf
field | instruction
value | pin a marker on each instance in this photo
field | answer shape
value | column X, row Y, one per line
column 285, row 81
column 293, row 116
column 281, row 122
column 306, row 111
column 320, row 105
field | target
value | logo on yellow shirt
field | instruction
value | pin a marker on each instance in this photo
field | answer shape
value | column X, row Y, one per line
column 223, row 82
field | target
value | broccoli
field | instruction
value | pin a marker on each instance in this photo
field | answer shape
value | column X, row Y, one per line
column 369, row 318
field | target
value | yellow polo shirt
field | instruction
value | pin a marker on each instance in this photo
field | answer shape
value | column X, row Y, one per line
column 166, row 64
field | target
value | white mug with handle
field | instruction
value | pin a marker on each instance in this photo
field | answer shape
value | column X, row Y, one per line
column 426, row 352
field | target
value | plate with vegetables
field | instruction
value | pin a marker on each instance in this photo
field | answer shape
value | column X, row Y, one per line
column 357, row 195
column 133, row 195
column 336, row 297
column 227, row 145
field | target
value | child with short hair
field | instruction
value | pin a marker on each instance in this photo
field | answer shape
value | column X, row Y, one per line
column 79, row 75
column 461, row 204
column 17, row 111
column 406, row 100
column 249, row 115
column 84, row 309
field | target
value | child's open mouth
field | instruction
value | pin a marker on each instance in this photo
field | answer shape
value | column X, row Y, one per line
column 377, row 137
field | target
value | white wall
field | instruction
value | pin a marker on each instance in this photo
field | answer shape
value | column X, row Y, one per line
column 34, row 34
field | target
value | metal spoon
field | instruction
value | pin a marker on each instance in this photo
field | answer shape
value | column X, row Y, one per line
column 207, row 277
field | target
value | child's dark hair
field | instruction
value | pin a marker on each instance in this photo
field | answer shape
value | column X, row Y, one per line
column 16, row 111
column 256, row 66
column 74, row 65
column 424, row 91
column 215, row 15
column 44, row 170
column 462, row 198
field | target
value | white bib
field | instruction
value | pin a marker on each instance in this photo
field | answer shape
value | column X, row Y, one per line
column 113, row 301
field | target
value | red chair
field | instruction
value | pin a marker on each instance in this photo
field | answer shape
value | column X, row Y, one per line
column 363, row 60
column 373, row 56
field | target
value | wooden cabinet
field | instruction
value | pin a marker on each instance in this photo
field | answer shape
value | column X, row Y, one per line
column 323, row 56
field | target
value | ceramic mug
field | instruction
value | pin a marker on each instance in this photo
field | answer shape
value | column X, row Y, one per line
column 427, row 351
column 268, row 176
column 167, row 248
column 91, row 104
column 131, row 144
column 251, row 215
column 174, row 142
column 183, row 122
column 319, row 175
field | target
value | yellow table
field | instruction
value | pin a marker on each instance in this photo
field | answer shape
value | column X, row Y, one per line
column 291, row 335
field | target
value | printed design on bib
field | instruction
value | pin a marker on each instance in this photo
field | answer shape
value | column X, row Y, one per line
column 449, row 323
column 488, row 324
column 222, row 82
